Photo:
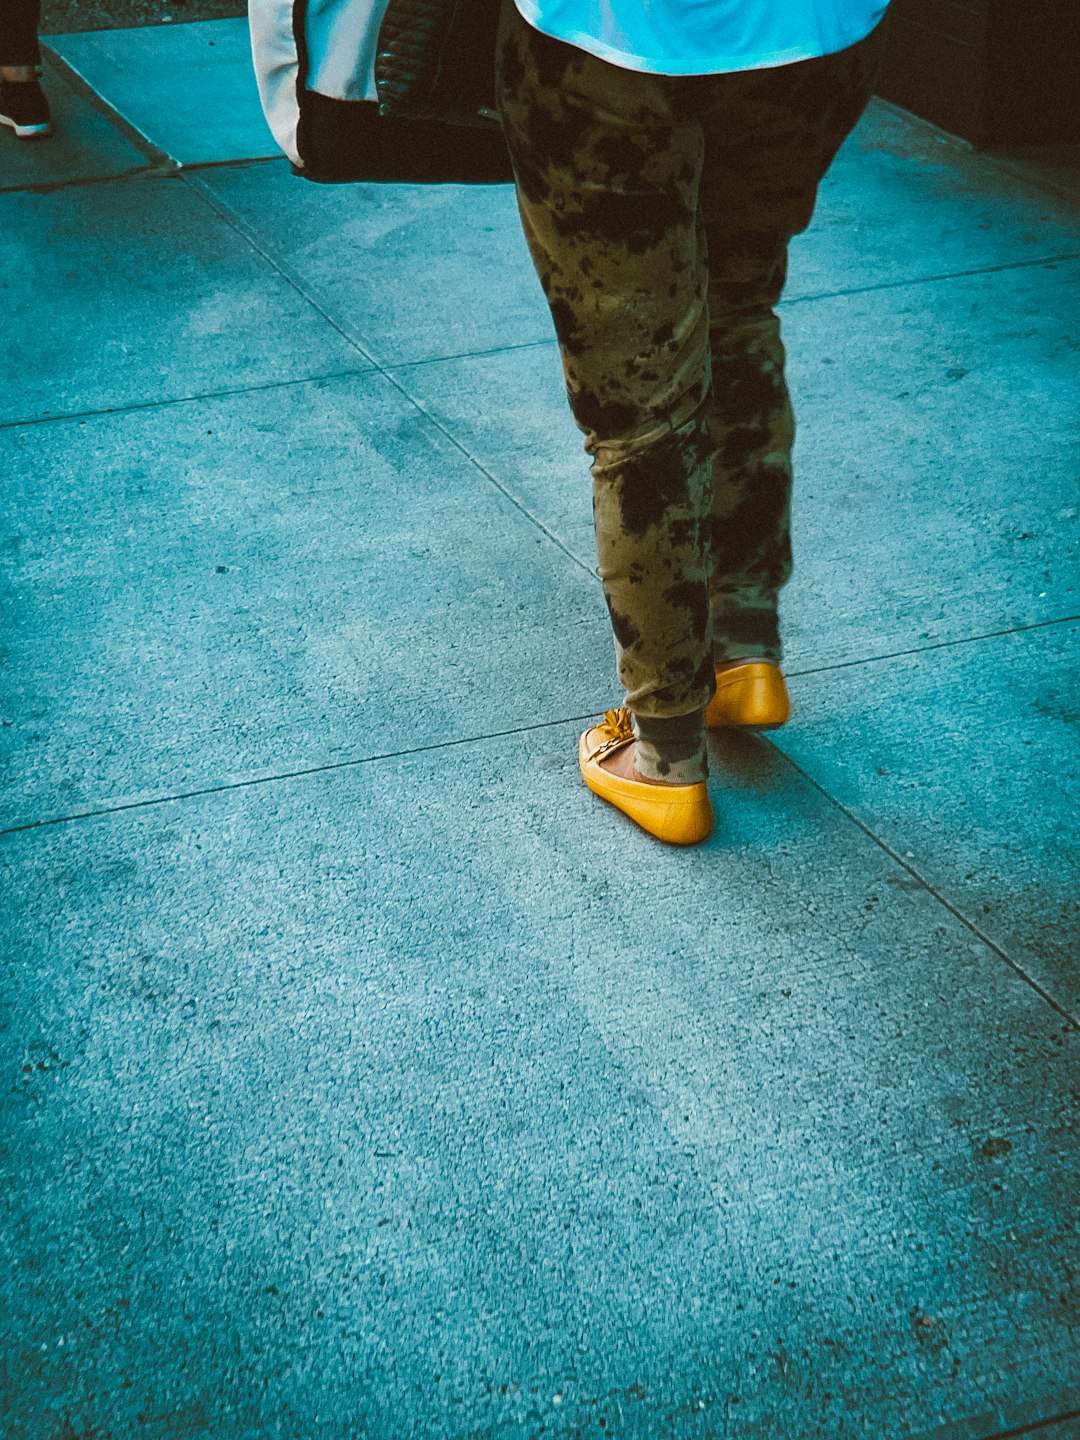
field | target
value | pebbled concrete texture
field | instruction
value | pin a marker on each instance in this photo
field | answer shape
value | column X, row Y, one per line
column 433, row 1129
column 249, row 585
column 209, row 108
column 917, row 516
column 990, row 1421
column 904, row 201
column 170, row 302
column 365, row 251
column 966, row 760
column 364, row 1076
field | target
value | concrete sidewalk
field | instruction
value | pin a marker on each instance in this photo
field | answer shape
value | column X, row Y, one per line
column 366, row 1075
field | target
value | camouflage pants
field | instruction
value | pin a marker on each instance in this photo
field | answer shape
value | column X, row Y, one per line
column 658, row 212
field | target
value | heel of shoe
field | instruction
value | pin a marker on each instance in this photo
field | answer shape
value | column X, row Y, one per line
column 751, row 697
column 674, row 814
column 686, row 823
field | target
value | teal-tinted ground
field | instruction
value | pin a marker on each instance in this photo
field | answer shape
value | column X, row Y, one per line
column 363, row 1074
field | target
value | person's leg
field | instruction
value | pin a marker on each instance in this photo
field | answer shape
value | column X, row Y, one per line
column 770, row 135
column 752, row 428
column 607, row 187
column 19, row 52
column 23, row 106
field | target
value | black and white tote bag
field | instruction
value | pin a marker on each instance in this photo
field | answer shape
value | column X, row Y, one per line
column 381, row 89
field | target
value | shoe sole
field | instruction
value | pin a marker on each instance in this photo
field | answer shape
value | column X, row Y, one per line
column 27, row 132
column 670, row 824
column 674, row 821
column 773, row 715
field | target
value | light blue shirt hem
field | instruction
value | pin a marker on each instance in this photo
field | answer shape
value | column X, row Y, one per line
column 721, row 65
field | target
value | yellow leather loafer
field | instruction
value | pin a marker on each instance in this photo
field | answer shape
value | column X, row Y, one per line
column 676, row 814
column 749, row 696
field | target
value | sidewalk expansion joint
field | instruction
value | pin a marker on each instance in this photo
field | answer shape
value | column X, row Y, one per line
column 1034, row 1427
column 303, row 773
column 221, row 210
column 503, row 490
column 548, row 343
column 235, row 162
column 933, row 645
column 136, row 405
column 1071, row 1020
column 131, row 133
column 49, row 187
column 909, row 282
column 245, row 233
column 154, row 169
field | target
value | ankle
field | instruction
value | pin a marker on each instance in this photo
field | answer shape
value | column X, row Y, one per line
column 671, row 749
column 623, row 763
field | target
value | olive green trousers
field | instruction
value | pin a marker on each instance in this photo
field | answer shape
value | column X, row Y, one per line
column 658, row 212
